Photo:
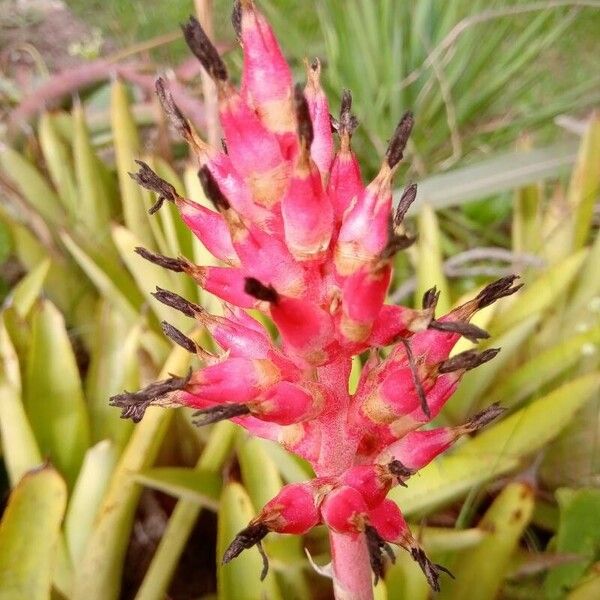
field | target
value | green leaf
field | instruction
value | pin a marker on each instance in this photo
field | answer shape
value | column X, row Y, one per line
column 578, row 533
column 497, row 450
column 89, row 490
column 240, row 579
column 99, row 572
column 114, row 367
column 53, row 395
column 585, row 182
column 588, row 590
column 29, row 534
column 198, row 485
column 184, row 516
column 25, row 293
column 480, row 571
column 541, row 293
column 32, row 185
column 127, row 149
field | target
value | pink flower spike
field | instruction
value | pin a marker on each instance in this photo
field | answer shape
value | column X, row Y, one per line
column 321, row 149
column 286, row 403
column 267, row 76
column 226, row 283
column 344, row 510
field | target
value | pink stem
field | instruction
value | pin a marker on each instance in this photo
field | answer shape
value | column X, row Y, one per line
column 351, row 567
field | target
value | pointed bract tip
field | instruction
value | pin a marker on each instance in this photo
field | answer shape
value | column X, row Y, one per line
column 397, row 144
column 253, row 287
column 430, row 298
column 236, row 18
column 171, row 109
column 212, row 190
column 467, row 360
column 179, row 337
column 203, row 49
column 376, row 545
column 248, row 537
column 133, row 405
column 221, row 412
column 148, row 179
column 483, row 418
column 498, row 289
column 400, row 471
column 347, row 123
column 408, row 197
column 172, row 264
column 416, row 379
column 177, row 302
column 430, row 569
column 467, row 330
column 304, row 122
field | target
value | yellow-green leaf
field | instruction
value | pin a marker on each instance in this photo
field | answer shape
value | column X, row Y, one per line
column 25, row 293
column 29, row 535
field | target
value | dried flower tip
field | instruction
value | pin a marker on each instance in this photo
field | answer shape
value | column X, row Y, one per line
column 221, row 412
column 212, row 190
column 148, row 179
column 408, row 197
column 483, row 418
column 431, row 570
column 498, row 289
column 397, row 144
column 415, row 377
column 253, row 287
column 172, row 264
column 430, row 298
column 171, row 109
column 347, row 123
column 178, row 337
column 248, row 537
column 203, row 49
column 376, row 545
column 177, row 302
column 265, row 561
column 236, row 18
column 133, row 405
column 305, row 126
column 400, row 471
column 465, row 361
column 396, row 242
column 467, row 330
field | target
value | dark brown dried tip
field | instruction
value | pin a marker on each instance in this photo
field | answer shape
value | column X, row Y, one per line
column 171, row 109
column 212, row 190
column 248, row 537
column 498, row 289
column 396, row 243
column 397, row 144
column 347, row 122
column 397, row 469
column 467, row 330
column 408, row 197
column 133, row 405
column 431, row 570
column 484, row 417
column 177, row 302
column 304, row 122
column 377, row 545
column 148, row 179
column 415, row 377
column 430, row 298
column 172, row 264
column 253, row 287
column 178, row 337
column 203, row 49
column 214, row 414
column 467, row 360
column 236, row 18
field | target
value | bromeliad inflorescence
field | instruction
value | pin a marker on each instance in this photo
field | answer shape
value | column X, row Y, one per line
column 301, row 239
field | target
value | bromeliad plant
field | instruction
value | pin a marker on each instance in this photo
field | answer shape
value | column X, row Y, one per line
column 303, row 241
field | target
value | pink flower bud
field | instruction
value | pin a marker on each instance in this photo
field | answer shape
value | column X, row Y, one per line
column 372, row 481
column 344, row 510
column 293, row 510
column 286, row 403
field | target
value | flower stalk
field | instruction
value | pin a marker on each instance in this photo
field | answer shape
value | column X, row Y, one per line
column 302, row 239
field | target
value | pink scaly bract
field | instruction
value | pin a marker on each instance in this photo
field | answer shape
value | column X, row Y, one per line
column 303, row 240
